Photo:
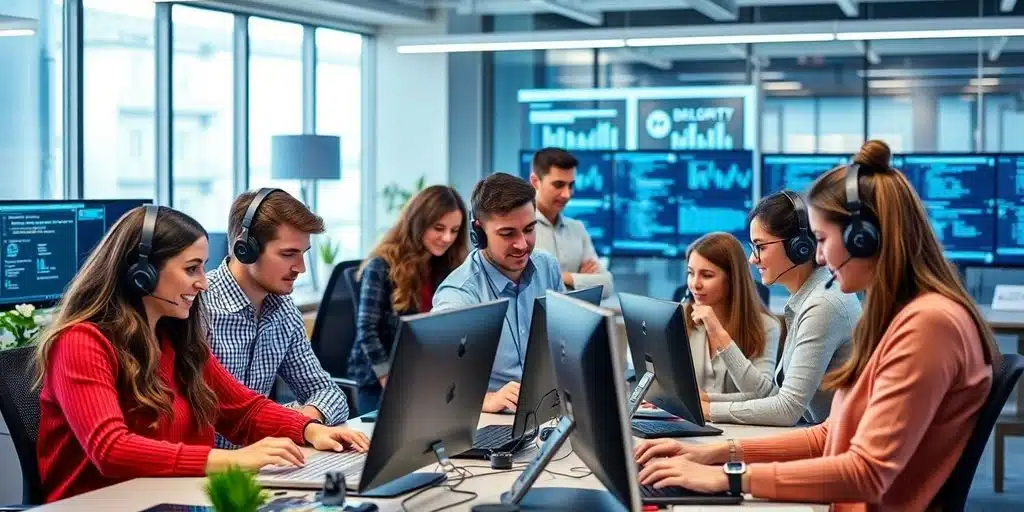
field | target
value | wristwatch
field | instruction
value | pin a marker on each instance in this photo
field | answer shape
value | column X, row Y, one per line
column 735, row 471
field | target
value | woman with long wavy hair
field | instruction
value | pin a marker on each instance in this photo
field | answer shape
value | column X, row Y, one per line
column 909, row 396
column 400, row 276
column 128, row 386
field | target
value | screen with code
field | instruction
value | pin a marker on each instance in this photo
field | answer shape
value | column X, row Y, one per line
column 646, row 214
column 43, row 244
column 715, row 192
column 959, row 193
column 795, row 172
column 1010, row 221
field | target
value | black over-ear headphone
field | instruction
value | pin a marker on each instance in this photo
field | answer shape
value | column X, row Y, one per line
column 142, row 275
column 800, row 248
column 246, row 248
column 477, row 235
column 860, row 235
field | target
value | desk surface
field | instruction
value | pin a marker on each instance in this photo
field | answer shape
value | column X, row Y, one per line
column 141, row 493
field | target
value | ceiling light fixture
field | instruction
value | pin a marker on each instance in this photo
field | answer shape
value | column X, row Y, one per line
column 500, row 46
column 15, row 32
column 929, row 34
column 730, row 39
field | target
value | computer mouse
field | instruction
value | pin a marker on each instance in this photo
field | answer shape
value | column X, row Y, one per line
column 546, row 432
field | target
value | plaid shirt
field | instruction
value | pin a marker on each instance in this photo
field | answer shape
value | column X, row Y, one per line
column 256, row 351
column 376, row 324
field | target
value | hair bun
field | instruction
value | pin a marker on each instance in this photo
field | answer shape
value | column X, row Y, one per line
column 874, row 154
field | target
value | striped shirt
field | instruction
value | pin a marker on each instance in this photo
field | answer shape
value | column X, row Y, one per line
column 257, row 350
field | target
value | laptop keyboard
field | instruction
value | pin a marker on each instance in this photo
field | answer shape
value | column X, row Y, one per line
column 493, row 437
column 678, row 428
column 648, row 491
column 348, row 463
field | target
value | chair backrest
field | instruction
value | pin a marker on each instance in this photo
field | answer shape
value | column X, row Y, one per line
column 953, row 494
column 334, row 330
column 353, row 286
column 19, row 404
column 677, row 296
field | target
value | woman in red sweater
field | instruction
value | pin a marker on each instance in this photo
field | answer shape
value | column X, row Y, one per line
column 129, row 388
column 909, row 396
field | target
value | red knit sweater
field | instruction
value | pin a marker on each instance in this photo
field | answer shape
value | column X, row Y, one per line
column 88, row 441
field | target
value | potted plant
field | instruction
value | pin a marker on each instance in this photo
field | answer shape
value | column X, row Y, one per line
column 397, row 196
column 235, row 490
column 19, row 326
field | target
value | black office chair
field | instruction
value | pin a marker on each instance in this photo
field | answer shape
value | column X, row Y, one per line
column 677, row 296
column 353, row 286
column 334, row 330
column 19, row 404
column 953, row 494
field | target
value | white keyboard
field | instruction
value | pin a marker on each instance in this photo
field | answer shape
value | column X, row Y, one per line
column 312, row 474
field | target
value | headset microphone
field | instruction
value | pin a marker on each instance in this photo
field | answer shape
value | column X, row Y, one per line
column 157, row 297
column 782, row 274
column 836, row 271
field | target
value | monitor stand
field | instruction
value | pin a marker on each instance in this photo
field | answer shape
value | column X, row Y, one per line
column 566, row 498
column 412, row 481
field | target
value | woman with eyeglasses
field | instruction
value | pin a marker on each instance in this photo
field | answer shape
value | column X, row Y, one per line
column 819, row 321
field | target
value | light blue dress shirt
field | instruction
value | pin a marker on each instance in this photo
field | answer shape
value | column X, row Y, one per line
column 477, row 281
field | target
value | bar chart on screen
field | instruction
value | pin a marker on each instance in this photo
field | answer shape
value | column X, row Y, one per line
column 691, row 138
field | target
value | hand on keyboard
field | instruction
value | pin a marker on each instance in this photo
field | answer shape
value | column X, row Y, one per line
column 269, row 451
column 682, row 472
column 336, row 438
column 651, row 449
column 505, row 398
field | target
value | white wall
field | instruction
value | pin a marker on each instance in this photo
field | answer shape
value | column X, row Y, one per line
column 412, row 114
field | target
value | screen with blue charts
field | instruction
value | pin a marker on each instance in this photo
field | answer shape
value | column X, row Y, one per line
column 44, row 243
column 795, row 172
column 715, row 192
column 591, row 201
column 1010, row 220
column 959, row 193
column 646, row 214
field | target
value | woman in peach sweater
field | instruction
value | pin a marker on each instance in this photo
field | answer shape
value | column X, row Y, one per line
column 907, row 399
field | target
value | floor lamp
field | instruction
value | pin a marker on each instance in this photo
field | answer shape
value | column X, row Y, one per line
column 307, row 158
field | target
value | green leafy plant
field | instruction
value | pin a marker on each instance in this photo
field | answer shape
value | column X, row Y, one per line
column 328, row 250
column 18, row 327
column 396, row 196
column 235, row 490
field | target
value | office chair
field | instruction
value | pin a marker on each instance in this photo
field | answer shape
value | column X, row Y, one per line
column 334, row 330
column 353, row 286
column 953, row 494
column 19, row 404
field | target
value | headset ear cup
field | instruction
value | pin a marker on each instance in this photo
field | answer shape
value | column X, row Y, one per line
column 861, row 239
column 246, row 251
column 800, row 249
column 477, row 236
column 143, row 278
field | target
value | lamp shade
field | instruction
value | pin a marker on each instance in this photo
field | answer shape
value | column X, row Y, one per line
column 305, row 157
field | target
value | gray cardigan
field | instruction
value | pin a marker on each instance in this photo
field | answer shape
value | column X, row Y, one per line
column 819, row 327
column 722, row 373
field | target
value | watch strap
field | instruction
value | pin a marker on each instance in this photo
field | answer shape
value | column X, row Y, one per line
column 735, row 484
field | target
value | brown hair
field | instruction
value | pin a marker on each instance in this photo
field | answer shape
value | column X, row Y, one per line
column 277, row 209
column 409, row 262
column 547, row 158
column 777, row 213
column 910, row 258
column 101, row 294
column 744, row 324
column 501, row 193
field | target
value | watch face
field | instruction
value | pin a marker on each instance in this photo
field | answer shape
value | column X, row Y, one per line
column 735, row 467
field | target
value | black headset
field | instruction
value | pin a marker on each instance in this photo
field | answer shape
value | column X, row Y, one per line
column 800, row 248
column 142, row 275
column 246, row 248
column 477, row 235
column 861, row 236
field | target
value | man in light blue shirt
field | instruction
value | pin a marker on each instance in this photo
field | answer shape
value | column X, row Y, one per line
column 503, row 264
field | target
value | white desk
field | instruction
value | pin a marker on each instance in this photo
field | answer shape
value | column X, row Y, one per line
column 138, row 494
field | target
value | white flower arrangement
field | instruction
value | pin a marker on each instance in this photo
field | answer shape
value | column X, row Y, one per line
column 18, row 327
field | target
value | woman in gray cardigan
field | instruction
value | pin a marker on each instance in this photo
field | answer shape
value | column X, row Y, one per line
column 819, row 322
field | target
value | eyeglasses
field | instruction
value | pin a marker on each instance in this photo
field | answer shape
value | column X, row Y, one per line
column 757, row 248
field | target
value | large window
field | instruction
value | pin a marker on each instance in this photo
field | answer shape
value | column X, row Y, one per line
column 30, row 95
column 203, row 94
column 339, row 112
column 275, row 94
column 119, row 99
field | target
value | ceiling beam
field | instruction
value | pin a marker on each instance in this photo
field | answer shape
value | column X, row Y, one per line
column 571, row 11
column 718, row 10
column 1007, row 5
column 849, row 7
column 644, row 56
column 368, row 12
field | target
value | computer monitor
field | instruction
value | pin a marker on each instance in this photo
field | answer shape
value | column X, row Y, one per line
column 44, row 243
column 591, row 201
column 440, row 368
column 538, row 400
column 715, row 190
column 646, row 208
column 795, row 172
column 583, row 353
column 959, row 193
column 656, row 334
column 1010, row 204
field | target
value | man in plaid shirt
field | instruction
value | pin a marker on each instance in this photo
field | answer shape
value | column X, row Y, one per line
column 257, row 331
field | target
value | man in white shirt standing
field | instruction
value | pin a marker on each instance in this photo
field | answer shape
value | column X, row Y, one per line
column 553, row 177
